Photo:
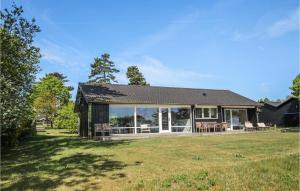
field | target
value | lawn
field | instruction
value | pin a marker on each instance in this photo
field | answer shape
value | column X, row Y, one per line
column 57, row 160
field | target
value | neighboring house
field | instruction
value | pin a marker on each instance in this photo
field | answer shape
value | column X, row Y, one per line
column 285, row 113
column 164, row 109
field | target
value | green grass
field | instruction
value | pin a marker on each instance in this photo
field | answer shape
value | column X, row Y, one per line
column 55, row 159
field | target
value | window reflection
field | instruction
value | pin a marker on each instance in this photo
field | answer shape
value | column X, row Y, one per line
column 121, row 116
column 180, row 116
column 147, row 116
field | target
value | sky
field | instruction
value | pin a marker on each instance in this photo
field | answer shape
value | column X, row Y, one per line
column 248, row 46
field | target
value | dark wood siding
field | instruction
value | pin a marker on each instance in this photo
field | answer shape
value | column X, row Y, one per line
column 83, row 117
column 284, row 115
column 251, row 113
column 100, row 114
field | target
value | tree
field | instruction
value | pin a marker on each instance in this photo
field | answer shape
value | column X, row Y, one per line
column 296, row 87
column 58, row 75
column 45, row 105
column 66, row 118
column 135, row 77
column 61, row 77
column 18, row 66
column 49, row 95
column 103, row 70
column 263, row 100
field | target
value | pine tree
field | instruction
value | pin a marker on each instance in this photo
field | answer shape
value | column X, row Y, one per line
column 135, row 77
column 103, row 70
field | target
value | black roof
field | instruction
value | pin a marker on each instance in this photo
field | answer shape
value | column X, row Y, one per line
column 279, row 103
column 117, row 93
column 273, row 103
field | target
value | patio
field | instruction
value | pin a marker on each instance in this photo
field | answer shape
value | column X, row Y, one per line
column 152, row 135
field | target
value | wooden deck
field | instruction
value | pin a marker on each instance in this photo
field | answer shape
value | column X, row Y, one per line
column 150, row 135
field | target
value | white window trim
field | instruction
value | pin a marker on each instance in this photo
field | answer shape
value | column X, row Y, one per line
column 230, row 111
column 187, row 107
column 124, row 105
column 169, row 107
column 202, row 112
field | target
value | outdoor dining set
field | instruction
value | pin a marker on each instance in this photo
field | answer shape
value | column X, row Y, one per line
column 207, row 127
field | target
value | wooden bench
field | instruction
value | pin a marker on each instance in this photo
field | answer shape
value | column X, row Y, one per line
column 145, row 128
column 102, row 131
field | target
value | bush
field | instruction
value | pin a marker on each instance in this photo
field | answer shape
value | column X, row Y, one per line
column 13, row 136
column 66, row 118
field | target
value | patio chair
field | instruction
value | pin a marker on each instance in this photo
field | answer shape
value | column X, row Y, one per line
column 200, row 127
column 249, row 126
column 210, row 125
column 262, row 126
column 224, row 126
column 145, row 128
column 218, row 127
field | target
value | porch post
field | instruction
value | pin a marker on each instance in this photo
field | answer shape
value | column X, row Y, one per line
column 257, row 118
column 193, row 118
column 89, row 120
column 135, row 128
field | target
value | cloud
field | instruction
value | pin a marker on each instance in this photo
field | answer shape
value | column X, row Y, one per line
column 273, row 30
column 169, row 31
column 285, row 25
column 156, row 73
column 64, row 55
column 238, row 36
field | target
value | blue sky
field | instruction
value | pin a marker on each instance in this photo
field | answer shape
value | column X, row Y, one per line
column 250, row 47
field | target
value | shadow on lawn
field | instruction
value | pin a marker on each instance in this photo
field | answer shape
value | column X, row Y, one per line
column 26, row 162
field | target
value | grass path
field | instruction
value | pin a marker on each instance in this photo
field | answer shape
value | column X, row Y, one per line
column 56, row 160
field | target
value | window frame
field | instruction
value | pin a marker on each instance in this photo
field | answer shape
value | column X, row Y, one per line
column 178, row 107
column 123, row 106
column 209, row 110
column 146, row 107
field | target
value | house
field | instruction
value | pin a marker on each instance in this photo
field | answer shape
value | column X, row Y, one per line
column 282, row 113
column 127, row 108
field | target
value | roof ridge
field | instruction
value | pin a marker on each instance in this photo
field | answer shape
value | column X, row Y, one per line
column 95, row 83
column 280, row 103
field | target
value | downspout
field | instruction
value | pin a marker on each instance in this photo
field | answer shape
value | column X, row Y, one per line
column 193, row 118
column 257, row 118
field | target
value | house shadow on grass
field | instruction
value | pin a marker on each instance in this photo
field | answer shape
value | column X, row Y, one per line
column 36, row 169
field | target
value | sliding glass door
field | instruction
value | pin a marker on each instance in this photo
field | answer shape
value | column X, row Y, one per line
column 236, row 118
column 165, row 120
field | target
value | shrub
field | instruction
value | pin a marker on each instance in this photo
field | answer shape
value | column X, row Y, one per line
column 13, row 136
column 66, row 118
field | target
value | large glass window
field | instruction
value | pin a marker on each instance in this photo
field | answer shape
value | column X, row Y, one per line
column 147, row 116
column 121, row 116
column 147, row 120
column 180, row 117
